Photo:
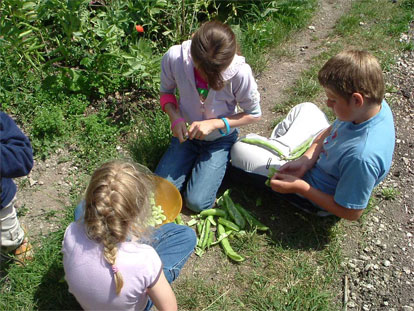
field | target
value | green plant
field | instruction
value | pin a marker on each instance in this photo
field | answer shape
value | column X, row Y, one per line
column 151, row 138
column 390, row 193
column 22, row 211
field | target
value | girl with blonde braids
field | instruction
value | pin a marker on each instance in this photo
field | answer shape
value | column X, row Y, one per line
column 112, row 260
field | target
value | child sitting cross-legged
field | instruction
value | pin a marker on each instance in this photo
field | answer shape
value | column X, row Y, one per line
column 346, row 160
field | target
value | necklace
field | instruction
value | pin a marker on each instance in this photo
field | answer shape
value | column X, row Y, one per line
column 202, row 88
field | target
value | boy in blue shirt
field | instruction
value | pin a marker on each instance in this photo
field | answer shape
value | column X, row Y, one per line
column 345, row 161
column 16, row 160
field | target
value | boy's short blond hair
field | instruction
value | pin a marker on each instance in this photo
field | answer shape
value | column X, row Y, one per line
column 354, row 71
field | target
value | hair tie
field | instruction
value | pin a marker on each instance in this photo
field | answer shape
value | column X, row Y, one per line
column 114, row 269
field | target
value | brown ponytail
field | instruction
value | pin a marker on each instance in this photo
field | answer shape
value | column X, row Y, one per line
column 213, row 47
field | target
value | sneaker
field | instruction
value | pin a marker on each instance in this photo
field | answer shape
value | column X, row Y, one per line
column 24, row 252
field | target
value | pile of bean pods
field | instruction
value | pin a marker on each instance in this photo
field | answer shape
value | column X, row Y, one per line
column 229, row 219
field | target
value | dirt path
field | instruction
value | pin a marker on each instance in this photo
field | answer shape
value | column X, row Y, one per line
column 282, row 72
column 379, row 251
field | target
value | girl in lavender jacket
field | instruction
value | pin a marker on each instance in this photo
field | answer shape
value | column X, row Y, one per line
column 213, row 81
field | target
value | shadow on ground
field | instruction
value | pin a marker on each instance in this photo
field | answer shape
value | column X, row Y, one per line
column 52, row 293
column 290, row 227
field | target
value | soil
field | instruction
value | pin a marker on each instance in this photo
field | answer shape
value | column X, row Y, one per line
column 379, row 252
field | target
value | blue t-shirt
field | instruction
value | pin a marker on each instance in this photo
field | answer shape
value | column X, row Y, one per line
column 355, row 158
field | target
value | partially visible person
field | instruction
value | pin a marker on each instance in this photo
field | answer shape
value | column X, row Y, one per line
column 212, row 81
column 339, row 171
column 16, row 161
column 112, row 259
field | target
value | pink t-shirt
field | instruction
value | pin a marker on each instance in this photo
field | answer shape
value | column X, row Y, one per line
column 90, row 277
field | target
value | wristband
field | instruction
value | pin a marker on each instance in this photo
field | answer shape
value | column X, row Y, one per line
column 227, row 127
column 168, row 99
column 175, row 122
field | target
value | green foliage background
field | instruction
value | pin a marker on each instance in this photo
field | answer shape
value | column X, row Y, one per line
column 61, row 62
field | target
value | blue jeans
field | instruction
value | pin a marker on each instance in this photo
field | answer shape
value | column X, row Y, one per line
column 174, row 244
column 199, row 166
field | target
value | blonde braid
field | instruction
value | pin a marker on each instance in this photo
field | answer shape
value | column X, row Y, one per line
column 117, row 206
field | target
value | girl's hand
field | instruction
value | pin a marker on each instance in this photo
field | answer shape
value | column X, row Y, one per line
column 180, row 130
column 296, row 168
column 284, row 183
column 200, row 129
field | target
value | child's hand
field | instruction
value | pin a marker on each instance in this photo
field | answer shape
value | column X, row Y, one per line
column 284, row 183
column 296, row 168
column 180, row 131
column 200, row 129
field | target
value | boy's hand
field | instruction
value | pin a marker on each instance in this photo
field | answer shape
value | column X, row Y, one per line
column 284, row 183
column 296, row 168
column 200, row 129
column 180, row 131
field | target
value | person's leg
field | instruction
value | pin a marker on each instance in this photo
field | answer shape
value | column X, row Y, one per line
column 302, row 122
column 208, row 173
column 177, row 162
column 12, row 234
column 174, row 244
column 255, row 159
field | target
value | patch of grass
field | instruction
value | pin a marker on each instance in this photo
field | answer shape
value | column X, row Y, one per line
column 390, row 193
column 152, row 137
column 22, row 210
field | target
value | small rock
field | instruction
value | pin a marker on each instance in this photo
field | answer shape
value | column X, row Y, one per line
column 406, row 270
column 386, row 263
column 351, row 304
column 32, row 182
column 313, row 28
column 407, row 308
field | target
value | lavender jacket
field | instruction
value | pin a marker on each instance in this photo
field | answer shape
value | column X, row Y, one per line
column 177, row 71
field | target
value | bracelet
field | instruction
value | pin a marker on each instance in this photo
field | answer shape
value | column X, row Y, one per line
column 168, row 99
column 226, row 122
column 175, row 122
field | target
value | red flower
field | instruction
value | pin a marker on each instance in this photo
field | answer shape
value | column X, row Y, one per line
column 139, row 28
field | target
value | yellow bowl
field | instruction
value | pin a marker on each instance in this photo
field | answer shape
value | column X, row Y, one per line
column 168, row 196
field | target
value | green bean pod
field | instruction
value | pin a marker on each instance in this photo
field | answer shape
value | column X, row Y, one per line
column 202, row 233
column 229, row 224
column 213, row 212
column 228, row 250
column 300, row 150
column 204, row 239
column 272, row 172
column 253, row 222
column 211, row 220
column 210, row 239
column 232, row 210
column 262, row 143
column 179, row 220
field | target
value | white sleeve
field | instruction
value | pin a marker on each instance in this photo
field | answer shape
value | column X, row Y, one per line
column 245, row 91
column 168, row 84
